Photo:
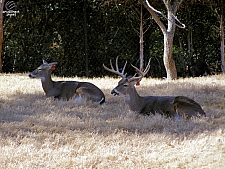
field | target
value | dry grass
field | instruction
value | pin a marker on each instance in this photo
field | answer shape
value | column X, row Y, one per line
column 36, row 132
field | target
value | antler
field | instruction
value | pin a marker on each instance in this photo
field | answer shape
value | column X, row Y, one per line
column 141, row 73
column 117, row 69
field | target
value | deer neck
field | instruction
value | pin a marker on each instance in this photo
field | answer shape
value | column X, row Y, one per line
column 47, row 82
column 133, row 99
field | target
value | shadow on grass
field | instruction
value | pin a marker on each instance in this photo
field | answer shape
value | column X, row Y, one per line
column 17, row 108
column 33, row 113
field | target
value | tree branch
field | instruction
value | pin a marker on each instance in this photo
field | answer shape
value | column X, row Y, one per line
column 153, row 12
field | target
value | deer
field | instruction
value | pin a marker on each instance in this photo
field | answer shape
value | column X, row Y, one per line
column 170, row 106
column 79, row 91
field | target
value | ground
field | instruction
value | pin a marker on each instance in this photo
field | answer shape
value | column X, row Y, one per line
column 40, row 132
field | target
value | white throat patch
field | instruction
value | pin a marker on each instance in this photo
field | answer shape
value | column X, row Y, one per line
column 127, row 98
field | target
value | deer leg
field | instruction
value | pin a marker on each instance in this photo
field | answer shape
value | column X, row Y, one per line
column 78, row 98
column 88, row 94
column 177, row 117
column 82, row 94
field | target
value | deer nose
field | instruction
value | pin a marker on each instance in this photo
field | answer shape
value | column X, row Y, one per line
column 114, row 92
column 30, row 75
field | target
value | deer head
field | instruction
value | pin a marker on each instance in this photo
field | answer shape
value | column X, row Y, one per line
column 127, row 82
column 43, row 70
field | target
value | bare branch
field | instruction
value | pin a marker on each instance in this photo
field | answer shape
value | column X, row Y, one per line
column 158, row 12
column 153, row 13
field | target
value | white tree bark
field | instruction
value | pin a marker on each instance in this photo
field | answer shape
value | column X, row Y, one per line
column 168, row 33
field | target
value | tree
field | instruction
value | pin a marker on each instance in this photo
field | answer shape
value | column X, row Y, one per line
column 168, row 33
column 1, row 32
column 218, row 9
column 141, row 36
column 222, row 44
column 54, row 30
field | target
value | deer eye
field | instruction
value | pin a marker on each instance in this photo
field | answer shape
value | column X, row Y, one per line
column 125, row 85
column 39, row 69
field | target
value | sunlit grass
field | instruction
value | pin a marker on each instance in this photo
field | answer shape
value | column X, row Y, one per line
column 36, row 132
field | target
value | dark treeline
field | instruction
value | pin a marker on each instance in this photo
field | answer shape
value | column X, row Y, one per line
column 82, row 36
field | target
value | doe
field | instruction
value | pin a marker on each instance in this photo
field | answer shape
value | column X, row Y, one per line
column 66, row 89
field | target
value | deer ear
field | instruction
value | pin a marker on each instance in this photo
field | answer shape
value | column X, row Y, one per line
column 52, row 67
column 44, row 61
column 138, row 83
column 53, row 63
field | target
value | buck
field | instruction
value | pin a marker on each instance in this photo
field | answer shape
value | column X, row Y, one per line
column 172, row 106
column 66, row 90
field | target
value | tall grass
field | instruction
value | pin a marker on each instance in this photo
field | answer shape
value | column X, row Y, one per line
column 39, row 132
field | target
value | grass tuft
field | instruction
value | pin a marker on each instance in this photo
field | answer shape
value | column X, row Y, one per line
column 40, row 132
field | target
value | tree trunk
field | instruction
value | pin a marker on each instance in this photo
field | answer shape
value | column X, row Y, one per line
column 190, row 55
column 85, row 38
column 221, row 20
column 1, row 34
column 168, row 33
column 167, row 57
column 168, row 47
column 222, row 44
column 141, row 41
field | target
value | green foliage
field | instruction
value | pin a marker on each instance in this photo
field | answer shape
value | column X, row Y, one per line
column 203, row 25
column 54, row 30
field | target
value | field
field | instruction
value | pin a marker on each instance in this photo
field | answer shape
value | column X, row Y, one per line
column 39, row 132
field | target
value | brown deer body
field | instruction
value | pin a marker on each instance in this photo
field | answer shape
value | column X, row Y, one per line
column 173, row 106
column 66, row 90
